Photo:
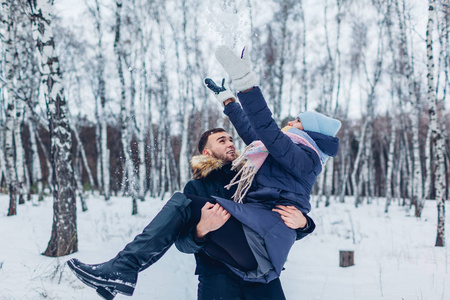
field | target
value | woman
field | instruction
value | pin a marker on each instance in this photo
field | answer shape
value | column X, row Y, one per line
column 281, row 166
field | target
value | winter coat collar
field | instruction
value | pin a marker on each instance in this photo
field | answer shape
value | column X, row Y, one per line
column 203, row 165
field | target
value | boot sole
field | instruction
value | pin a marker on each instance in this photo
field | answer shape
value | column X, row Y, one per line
column 107, row 293
column 104, row 288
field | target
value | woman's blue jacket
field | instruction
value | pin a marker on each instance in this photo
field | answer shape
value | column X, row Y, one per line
column 286, row 177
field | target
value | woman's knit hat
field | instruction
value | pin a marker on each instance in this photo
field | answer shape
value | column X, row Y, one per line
column 314, row 121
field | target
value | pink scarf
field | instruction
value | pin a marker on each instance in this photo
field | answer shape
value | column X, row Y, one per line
column 254, row 156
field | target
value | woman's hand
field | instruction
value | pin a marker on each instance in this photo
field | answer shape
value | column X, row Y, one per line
column 238, row 68
column 292, row 217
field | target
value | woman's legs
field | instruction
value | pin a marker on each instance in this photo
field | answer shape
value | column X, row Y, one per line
column 120, row 273
column 180, row 213
column 228, row 243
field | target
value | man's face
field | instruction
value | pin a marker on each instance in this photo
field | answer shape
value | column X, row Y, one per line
column 221, row 146
column 296, row 123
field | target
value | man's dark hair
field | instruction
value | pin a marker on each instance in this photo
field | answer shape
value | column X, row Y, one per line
column 204, row 138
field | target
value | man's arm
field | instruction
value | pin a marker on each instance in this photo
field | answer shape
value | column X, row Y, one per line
column 310, row 226
column 213, row 216
column 294, row 219
column 187, row 243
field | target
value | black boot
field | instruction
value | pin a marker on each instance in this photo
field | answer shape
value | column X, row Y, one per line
column 120, row 274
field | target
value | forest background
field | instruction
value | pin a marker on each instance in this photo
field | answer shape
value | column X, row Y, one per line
column 108, row 96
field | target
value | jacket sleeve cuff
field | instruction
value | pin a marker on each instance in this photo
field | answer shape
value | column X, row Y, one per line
column 188, row 244
column 198, row 241
column 309, row 228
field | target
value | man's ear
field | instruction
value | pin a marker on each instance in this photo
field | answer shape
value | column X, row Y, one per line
column 207, row 152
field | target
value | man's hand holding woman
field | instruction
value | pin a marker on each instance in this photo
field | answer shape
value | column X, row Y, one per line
column 292, row 217
column 213, row 217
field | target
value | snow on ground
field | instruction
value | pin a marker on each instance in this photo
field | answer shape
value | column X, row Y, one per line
column 395, row 257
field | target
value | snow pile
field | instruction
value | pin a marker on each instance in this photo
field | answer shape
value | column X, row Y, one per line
column 395, row 256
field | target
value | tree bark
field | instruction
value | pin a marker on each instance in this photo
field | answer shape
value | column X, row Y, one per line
column 20, row 154
column 428, row 165
column 64, row 230
column 102, row 127
column 437, row 134
column 36, row 164
column 390, row 163
column 417, row 179
column 10, row 76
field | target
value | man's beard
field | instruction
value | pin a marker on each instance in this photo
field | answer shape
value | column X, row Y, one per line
column 224, row 157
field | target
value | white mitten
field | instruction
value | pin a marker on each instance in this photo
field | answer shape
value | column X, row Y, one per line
column 225, row 95
column 238, row 68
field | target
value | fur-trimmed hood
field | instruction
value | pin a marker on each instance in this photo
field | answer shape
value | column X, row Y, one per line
column 203, row 165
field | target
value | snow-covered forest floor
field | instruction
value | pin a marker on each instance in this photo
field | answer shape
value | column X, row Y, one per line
column 395, row 257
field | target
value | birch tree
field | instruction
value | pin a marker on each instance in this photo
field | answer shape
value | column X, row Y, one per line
column 186, row 90
column 124, row 114
column 390, row 176
column 334, row 90
column 9, row 11
column 36, row 167
column 103, row 165
column 417, row 179
column 20, row 155
column 437, row 134
column 428, row 165
column 64, row 230
column 365, row 155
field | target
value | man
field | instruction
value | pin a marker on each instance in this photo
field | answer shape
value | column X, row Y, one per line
column 212, row 171
column 281, row 168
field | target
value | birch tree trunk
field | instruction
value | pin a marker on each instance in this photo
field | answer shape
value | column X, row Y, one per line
column 398, row 176
column 98, row 144
column 132, row 178
column 407, row 164
column 77, row 172
column 123, row 121
column 36, row 168
column 105, row 158
column 356, row 167
column 169, row 181
column 332, row 88
column 344, row 161
column 10, row 76
column 437, row 134
column 10, row 158
column 428, row 165
column 329, row 181
column 4, row 171
column 83, row 157
column 366, row 165
column 64, row 230
column 417, row 179
column 304, row 65
column 390, row 163
column 20, row 155
column 144, row 117
column 188, row 94
column 102, row 129
column 142, row 131
column 47, row 161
